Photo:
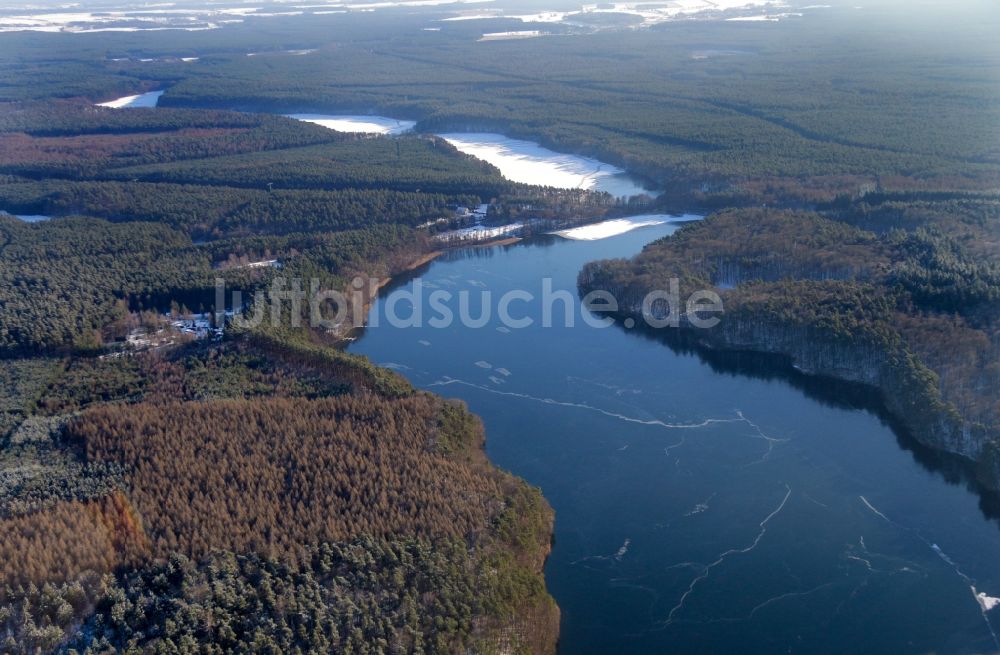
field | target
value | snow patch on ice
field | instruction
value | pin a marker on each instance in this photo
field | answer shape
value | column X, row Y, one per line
column 617, row 226
column 529, row 163
column 985, row 602
column 606, row 229
column 506, row 36
column 700, row 507
column 465, row 17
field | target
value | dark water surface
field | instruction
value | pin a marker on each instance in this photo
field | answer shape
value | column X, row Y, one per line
column 700, row 509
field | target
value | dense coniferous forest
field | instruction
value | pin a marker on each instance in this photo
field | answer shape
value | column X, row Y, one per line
column 392, row 532
column 856, row 100
column 207, row 172
column 389, row 524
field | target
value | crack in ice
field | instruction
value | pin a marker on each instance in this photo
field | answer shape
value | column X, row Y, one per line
column 771, row 441
column 763, row 604
column 707, row 569
column 908, row 566
column 618, row 555
column 447, row 381
column 740, row 418
column 666, row 451
column 872, row 508
column 701, row 507
column 983, row 600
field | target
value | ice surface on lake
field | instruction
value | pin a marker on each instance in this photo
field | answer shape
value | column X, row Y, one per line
column 357, row 124
column 479, row 232
column 27, row 218
column 141, row 100
column 463, row 17
column 506, row 36
column 617, row 226
column 295, row 53
column 530, row 163
column 543, row 17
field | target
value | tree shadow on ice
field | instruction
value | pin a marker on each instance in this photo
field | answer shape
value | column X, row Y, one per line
column 830, row 392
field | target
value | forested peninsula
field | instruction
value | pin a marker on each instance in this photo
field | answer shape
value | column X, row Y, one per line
column 911, row 314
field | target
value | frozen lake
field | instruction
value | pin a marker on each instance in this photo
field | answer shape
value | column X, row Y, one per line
column 530, row 163
column 616, row 226
column 27, row 218
column 357, row 124
column 148, row 99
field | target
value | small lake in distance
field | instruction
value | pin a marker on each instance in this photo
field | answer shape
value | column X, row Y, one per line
column 518, row 160
column 357, row 124
column 529, row 163
column 141, row 100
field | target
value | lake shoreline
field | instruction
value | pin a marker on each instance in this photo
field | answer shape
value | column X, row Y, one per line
column 833, row 324
column 601, row 418
column 542, row 617
column 913, row 434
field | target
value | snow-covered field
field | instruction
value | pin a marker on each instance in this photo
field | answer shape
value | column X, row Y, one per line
column 121, row 18
column 652, row 13
column 616, row 226
column 138, row 16
column 530, row 163
column 358, row 124
column 141, row 100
